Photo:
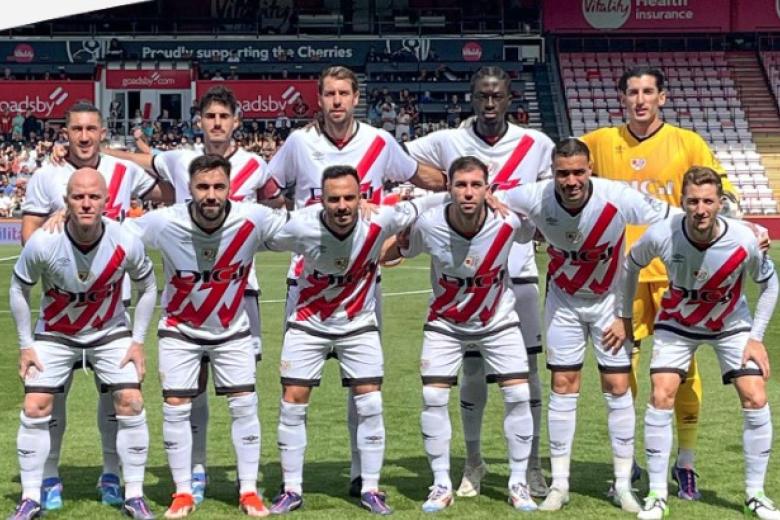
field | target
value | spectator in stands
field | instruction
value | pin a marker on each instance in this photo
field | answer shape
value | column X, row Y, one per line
column 5, row 124
column 388, row 115
column 453, row 111
column 138, row 119
column 217, row 77
column 165, row 121
column 282, row 125
column 6, row 205
column 115, row 50
column 31, row 126
column 267, row 149
column 7, row 74
column 521, row 116
column 402, row 124
column 136, row 209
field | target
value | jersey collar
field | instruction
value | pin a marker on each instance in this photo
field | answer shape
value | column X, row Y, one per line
column 703, row 247
column 487, row 140
column 577, row 211
column 479, row 230
column 207, row 231
column 85, row 249
column 648, row 136
column 338, row 236
column 97, row 165
column 342, row 144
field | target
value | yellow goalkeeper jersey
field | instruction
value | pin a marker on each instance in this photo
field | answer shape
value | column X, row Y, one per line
column 654, row 165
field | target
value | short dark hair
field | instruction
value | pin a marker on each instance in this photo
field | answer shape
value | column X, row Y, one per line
column 80, row 107
column 338, row 72
column 700, row 175
column 491, row 71
column 338, row 171
column 467, row 163
column 638, row 72
column 569, row 147
column 209, row 162
column 219, row 94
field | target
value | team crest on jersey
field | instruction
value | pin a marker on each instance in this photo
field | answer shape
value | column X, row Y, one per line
column 575, row 237
column 342, row 262
column 83, row 276
column 471, row 261
column 284, row 366
column 209, row 254
column 638, row 164
column 701, row 275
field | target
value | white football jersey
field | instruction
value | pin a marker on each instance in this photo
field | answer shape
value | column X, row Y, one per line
column 124, row 179
column 81, row 295
column 336, row 293
column 520, row 156
column 206, row 273
column 248, row 173
column 468, row 275
column 374, row 153
column 585, row 247
column 706, row 294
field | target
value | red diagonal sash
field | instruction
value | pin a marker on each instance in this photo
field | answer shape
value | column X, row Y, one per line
column 240, row 178
column 501, row 180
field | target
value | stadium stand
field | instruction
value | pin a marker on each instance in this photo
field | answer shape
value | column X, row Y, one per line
column 703, row 96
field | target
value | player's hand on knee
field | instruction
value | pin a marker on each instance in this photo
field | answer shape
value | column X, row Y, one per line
column 756, row 351
column 135, row 355
column 29, row 363
column 615, row 335
column 55, row 222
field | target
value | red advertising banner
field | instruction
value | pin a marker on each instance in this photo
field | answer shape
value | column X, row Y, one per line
column 122, row 79
column 266, row 99
column 756, row 15
column 47, row 99
column 593, row 16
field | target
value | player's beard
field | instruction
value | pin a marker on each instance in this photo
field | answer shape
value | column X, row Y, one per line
column 211, row 212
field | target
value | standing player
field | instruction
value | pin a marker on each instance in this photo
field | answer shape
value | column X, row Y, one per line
column 338, row 138
column 651, row 155
column 81, row 319
column 208, row 247
column 514, row 156
column 45, row 198
column 584, row 221
column 335, row 313
column 707, row 258
column 471, row 309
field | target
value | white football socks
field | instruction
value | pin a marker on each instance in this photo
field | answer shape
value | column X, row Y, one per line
column 621, row 423
column 292, row 444
column 437, row 433
column 32, row 448
column 757, row 446
column 245, row 432
column 658, row 444
column 132, row 441
column 561, row 423
column 370, row 438
column 518, row 430
column 177, row 439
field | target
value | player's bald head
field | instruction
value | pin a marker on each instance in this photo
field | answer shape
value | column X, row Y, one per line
column 87, row 179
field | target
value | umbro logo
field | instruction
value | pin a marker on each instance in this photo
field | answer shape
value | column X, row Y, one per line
column 551, row 221
column 652, row 451
column 170, row 445
column 677, row 258
column 25, row 453
column 374, row 439
column 137, row 449
column 250, row 439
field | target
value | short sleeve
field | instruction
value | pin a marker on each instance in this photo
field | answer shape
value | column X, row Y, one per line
column 30, row 264
column 143, row 183
column 165, row 165
column 147, row 228
column 545, row 170
column 37, row 200
column 400, row 166
column 269, row 223
column 427, row 150
column 646, row 248
column 639, row 208
column 282, row 166
column 288, row 237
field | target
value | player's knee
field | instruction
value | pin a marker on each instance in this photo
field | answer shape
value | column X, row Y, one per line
column 369, row 404
column 615, row 384
column 244, row 405
column 663, row 397
column 752, row 392
column 178, row 401
column 474, row 368
column 128, row 402
column 434, row 396
column 565, row 382
column 38, row 405
column 296, row 394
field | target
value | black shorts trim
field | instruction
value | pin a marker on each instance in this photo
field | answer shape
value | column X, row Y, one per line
column 258, row 357
column 668, row 370
column 44, row 389
column 80, row 364
column 522, row 280
column 127, row 303
column 699, row 336
column 104, row 388
column 252, row 293
column 292, row 282
column 35, row 214
column 350, row 382
column 224, row 390
column 25, row 282
column 378, row 279
column 564, row 368
column 440, row 380
column 180, row 392
column 203, row 342
column 143, row 276
column 615, row 370
column 731, row 375
column 466, row 336
column 143, row 195
column 498, row 378
column 303, row 328
column 292, row 381
column 332, row 354
column 69, row 343
column 472, row 354
column 534, row 350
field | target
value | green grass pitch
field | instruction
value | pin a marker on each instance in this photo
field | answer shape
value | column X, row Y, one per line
column 406, row 476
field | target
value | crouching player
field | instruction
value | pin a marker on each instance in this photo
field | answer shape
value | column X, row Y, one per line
column 708, row 258
column 472, row 308
column 82, row 319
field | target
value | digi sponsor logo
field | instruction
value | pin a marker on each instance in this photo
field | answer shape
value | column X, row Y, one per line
column 606, row 14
